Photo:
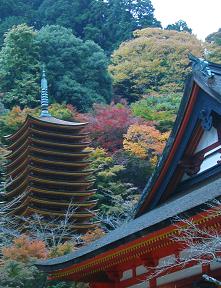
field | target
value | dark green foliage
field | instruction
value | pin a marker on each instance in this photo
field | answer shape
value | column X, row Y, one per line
column 76, row 70
column 214, row 37
column 19, row 68
column 7, row 24
column 108, row 23
column 14, row 274
column 137, row 170
column 17, row 274
column 180, row 26
column 116, row 197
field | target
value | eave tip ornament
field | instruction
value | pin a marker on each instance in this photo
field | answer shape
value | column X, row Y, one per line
column 44, row 95
column 199, row 64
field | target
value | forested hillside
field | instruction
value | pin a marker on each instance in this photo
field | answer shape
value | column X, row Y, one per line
column 108, row 63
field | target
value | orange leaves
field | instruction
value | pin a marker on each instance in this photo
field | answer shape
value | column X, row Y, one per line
column 23, row 249
column 144, row 141
column 93, row 235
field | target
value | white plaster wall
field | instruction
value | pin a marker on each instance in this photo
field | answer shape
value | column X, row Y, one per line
column 178, row 275
column 141, row 270
column 168, row 260
column 210, row 161
column 207, row 139
column 127, row 275
column 141, row 285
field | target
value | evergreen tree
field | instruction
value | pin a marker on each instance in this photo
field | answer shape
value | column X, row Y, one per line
column 108, row 23
column 77, row 70
column 179, row 26
column 19, row 68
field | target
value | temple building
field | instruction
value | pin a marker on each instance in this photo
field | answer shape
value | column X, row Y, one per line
column 187, row 176
column 48, row 169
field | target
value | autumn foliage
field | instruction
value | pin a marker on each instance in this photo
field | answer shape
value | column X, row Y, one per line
column 155, row 60
column 93, row 235
column 23, row 249
column 108, row 124
column 144, row 141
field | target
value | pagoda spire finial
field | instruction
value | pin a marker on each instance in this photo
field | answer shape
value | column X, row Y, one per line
column 44, row 95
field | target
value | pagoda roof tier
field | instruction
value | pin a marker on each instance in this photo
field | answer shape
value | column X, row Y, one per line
column 86, row 193
column 25, row 177
column 70, row 146
column 56, row 172
column 33, row 210
column 46, row 122
column 63, row 184
column 49, row 205
column 47, row 135
column 48, row 151
column 26, row 186
column 47, row 172
column 52, row 156
column 22, row 177
column 31, row 140
column 86, row 204
column 14, row 192
column 67, row 165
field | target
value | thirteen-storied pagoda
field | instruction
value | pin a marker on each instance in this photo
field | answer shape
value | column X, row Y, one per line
column 47, row 169
column 187, row 176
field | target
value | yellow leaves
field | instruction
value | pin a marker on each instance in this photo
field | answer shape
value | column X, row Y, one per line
column 145, row 142
column 135, row 148
column 155, row 57
column 62, row 249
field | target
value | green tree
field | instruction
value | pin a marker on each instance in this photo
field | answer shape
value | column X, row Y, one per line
column 77, row 70
column 15, row 12
column 123, row 17
column 17, row 274
column 19, row 67
column 115, row 197
column 8, row 23
column 108, row 23
column 214, row 37
column 155, row 60
column 213, row 48
column 161, row 109
column 179, row 26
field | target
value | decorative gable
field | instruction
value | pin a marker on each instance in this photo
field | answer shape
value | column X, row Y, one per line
column 193, row 151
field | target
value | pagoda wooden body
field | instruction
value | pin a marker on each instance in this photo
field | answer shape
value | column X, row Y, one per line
column 48, row 165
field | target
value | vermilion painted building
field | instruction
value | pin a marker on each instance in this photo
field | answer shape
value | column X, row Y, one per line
column 187, row 176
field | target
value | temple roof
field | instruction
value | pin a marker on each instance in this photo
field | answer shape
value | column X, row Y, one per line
column 205, row 79
column 151, row 221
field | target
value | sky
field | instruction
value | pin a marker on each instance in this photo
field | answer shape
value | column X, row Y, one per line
column 203, row 16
